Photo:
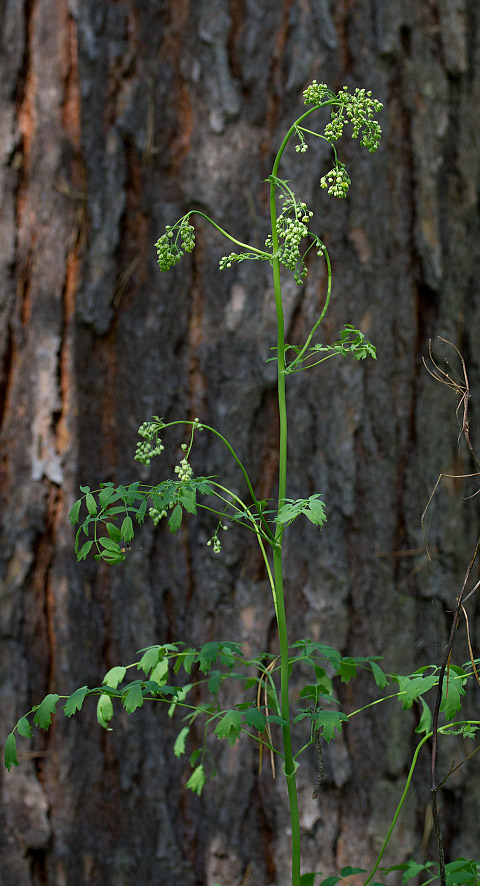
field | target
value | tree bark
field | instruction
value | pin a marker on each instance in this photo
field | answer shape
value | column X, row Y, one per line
column 117, row 117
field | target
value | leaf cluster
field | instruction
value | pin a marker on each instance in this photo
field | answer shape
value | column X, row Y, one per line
column 111, row 510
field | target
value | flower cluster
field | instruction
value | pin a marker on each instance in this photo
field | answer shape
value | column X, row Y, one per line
column 214, row 541
column 292, row 228
column 184, row 471
column 228, row 260
column 358, row 108
column 302, row 147
column 145, row 451
column 157, row 515
column 317, row 94
column 337, row 181
column 169, row 250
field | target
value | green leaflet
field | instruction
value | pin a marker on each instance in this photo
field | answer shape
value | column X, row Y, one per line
column 425, row 722
column 84, row 550
column 255, row 719
column 229, row 726
column 126, row 531
column 207, row 655
column 347, row 669
column 23, row 727
column 328, row 722
column 104, row 711
column 109, row 544
column 106, row 494
column 113, row 532
column 379, row 676
column 313, row 508
column 160, row 672
column 75, row 701
column 150, row 658
column 452, row 694
column 114, row 676
column 414, row 686
column 133, row 698
column 188, row 499
column 11, row 752
column 45, row 710
column 196, row 781
column 175, row 520
column 179, row 746
column 74, row 512
column 91, row 504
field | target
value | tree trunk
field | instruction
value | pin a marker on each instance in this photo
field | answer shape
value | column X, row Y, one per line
column 116, row 118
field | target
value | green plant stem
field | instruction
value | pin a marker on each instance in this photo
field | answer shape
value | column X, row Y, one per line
column 259, row 252
column 397, row 812
column 289, row 764
column 299, row 356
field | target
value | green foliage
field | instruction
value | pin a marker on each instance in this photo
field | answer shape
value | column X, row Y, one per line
column 461, row 872
column 313, row 508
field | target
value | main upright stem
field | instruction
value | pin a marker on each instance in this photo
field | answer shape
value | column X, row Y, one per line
column 289, row 764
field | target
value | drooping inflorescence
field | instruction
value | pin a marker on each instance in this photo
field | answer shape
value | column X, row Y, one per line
column 151, row 444
column 176, row 240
